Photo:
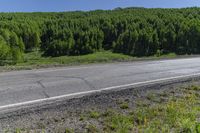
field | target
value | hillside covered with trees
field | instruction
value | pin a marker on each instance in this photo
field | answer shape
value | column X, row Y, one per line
column 132, row 31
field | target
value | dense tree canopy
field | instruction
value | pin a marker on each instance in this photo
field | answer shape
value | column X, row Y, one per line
column 131, row 31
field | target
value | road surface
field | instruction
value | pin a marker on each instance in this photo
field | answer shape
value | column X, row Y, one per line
column 24, row 86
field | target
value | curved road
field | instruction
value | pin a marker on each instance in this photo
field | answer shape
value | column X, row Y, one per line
column 23, row 86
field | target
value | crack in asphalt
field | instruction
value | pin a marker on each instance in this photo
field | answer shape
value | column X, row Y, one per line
column 91, row 86
column 43, row 86
column 81, row 78
column 5, row 90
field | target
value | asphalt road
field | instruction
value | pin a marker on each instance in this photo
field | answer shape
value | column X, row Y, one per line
column 22, row 86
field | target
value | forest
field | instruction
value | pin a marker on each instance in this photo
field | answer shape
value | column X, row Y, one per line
column 132, row 31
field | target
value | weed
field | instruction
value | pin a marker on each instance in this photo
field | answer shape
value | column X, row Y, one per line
column 18, row 130
column 120, row 123
column 94, row 114
column 124, row 105
column 196, row 88
column 68, row 130
column 92, row 129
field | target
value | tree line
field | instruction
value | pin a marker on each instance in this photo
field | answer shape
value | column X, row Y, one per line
column 132, row 31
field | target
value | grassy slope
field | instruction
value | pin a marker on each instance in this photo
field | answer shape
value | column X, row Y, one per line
column 175, row 111
column 35, row 60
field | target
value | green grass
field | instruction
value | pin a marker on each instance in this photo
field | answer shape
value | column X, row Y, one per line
column 124, row 105
column 35, row 60
column 94, row 114
column 175, row 114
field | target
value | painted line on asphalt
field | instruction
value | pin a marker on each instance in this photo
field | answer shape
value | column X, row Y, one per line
column 95, row 91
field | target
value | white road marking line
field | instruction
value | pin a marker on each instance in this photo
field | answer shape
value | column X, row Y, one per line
column 95, row 91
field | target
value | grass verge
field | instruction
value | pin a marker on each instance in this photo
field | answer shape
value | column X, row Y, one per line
column 34, row 60
column 170, row 112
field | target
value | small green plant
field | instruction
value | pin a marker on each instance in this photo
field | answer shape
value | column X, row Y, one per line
column 92, row 129
column 197, row 127
column 68, row 130
column 153, row 97
column 6, row 131
column 94, row 114
column 196, row 88
column 124, row 105
column 43, row 131
column 120, row 123
column 18, row 130
column 107, row 113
